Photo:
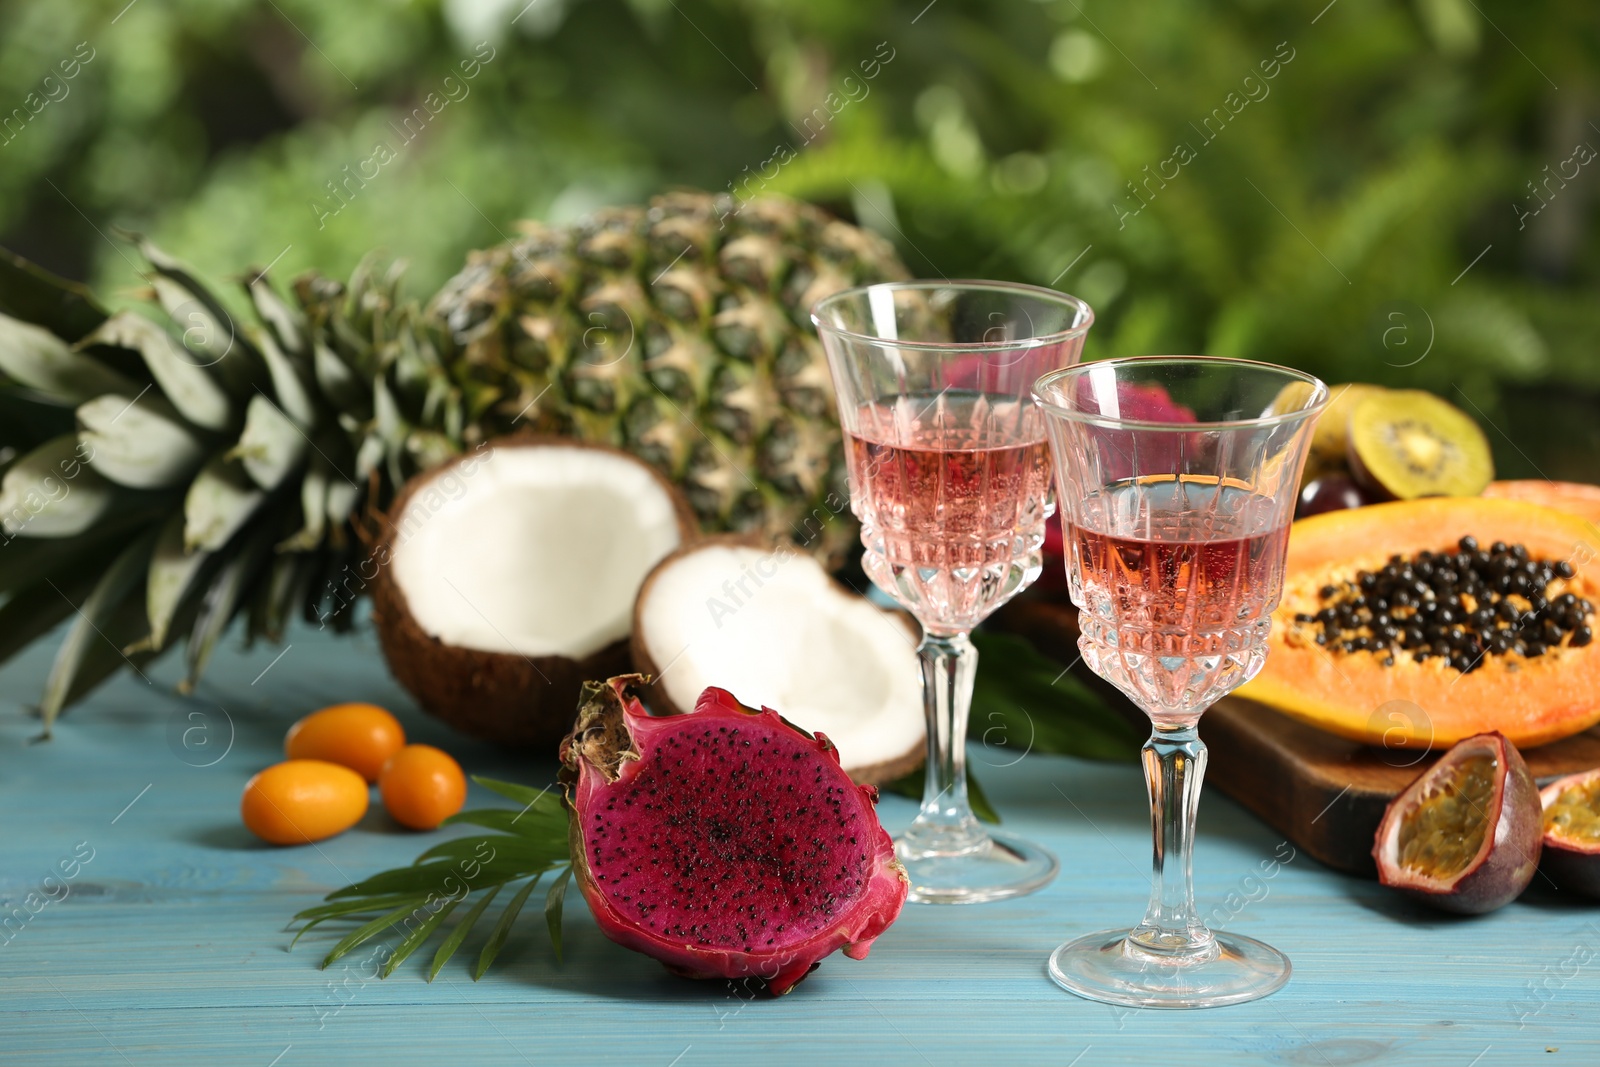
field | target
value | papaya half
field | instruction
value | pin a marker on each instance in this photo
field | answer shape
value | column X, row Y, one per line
column 1574, row 498
column 1495, row 632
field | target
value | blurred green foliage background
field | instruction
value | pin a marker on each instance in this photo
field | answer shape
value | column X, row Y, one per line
column 1399, row 191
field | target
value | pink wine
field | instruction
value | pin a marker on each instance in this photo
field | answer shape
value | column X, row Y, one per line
column 952, row 492
column 1180, row 557
column 1177, row 581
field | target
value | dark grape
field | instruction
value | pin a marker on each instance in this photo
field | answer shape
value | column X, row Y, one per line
column 1331, row 492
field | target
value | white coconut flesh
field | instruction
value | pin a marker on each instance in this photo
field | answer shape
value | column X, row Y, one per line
column 535, row 550
column 774, row 630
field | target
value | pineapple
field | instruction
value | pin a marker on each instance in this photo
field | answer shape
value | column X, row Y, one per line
column 164, row 474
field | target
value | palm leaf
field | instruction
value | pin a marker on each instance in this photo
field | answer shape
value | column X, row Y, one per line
column 528, row 843
column 415, row 938
column 448, row 947
column 368, row 930
column 502, row 929
column 554, row 902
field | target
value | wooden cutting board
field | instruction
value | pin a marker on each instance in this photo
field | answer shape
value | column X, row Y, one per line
column 1325, row 794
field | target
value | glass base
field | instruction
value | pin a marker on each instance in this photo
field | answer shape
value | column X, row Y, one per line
column 1109, row 968
column 998, row 866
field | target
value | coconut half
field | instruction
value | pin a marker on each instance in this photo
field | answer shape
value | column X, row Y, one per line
column 768, row 624
column 506, row 578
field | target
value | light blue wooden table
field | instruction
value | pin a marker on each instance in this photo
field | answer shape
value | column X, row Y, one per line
column 168, row 947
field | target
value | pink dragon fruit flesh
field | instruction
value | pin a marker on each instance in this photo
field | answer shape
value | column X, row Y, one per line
column 724, row 842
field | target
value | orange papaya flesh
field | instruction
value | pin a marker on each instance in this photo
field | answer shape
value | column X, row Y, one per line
column 1430, row 704
column 1575, row 498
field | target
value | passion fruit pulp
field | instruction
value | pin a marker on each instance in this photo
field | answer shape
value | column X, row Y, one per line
column 1465, row 836
column 1572, row 832
column 1406, row 443
column 1445, row 833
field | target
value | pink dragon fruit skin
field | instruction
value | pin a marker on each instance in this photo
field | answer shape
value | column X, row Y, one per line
column 725, row 842
column 1149, row 402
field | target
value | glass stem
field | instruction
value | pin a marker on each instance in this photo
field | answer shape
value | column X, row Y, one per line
column 1174, row 765
column 946, row 823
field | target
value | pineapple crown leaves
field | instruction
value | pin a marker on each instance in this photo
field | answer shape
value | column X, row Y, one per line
column 167, row 473
column 525, row 846
column 231, row 452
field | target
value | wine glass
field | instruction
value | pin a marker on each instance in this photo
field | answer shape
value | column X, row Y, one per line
column 949, row 474
column 1177, row 480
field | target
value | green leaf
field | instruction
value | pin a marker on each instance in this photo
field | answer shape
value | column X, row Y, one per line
column 453, row 870
column 289, row 388
column 368, row 930
column 140, row 443
column 308, row 927
column 32, row 294
column 459, row 934
column 174, row 572
column 40, row 360
column 1025, row 701
column 283, row 590
column 221, row 499
column 413, row 941
column 422, row 878
column 506, row 852
column 123, row 635
column 313, row 506
column 461, row 849
column 337, row 908
column 980, row 801
column 25, row 561
column 222, row 600
column 502, row 929
column 271, row 445
column 533, row 823
column 53, row 492
column 553, row 904
column 521, row 794
column 911, row 785
column 209, row 332
column 343, row 496
column 186, row 384
column 93, row 619
column 27, row 420
column 339, row 383
column 206, row 331
column 35, row 610
column 391, row 425
column 285, row 320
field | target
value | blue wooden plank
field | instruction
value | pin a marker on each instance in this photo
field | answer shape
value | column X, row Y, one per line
column 168, row 945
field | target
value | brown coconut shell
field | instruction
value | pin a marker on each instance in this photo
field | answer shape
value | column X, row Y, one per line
column 662, row 704
column 524, row 701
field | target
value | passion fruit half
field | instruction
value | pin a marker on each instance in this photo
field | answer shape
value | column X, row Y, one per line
column 1406, row 443
column 1572, row 832
column 1465, row 836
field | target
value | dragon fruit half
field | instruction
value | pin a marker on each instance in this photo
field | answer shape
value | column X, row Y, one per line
column 725, row 842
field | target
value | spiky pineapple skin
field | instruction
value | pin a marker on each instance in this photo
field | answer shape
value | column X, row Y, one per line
column 677, row 331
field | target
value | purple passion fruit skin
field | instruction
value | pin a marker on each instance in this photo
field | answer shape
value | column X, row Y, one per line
column 1465, row 836
column 1572, row 832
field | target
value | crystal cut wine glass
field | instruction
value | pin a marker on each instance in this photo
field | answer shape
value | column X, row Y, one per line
column 1177, row 477
column 949, row 473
